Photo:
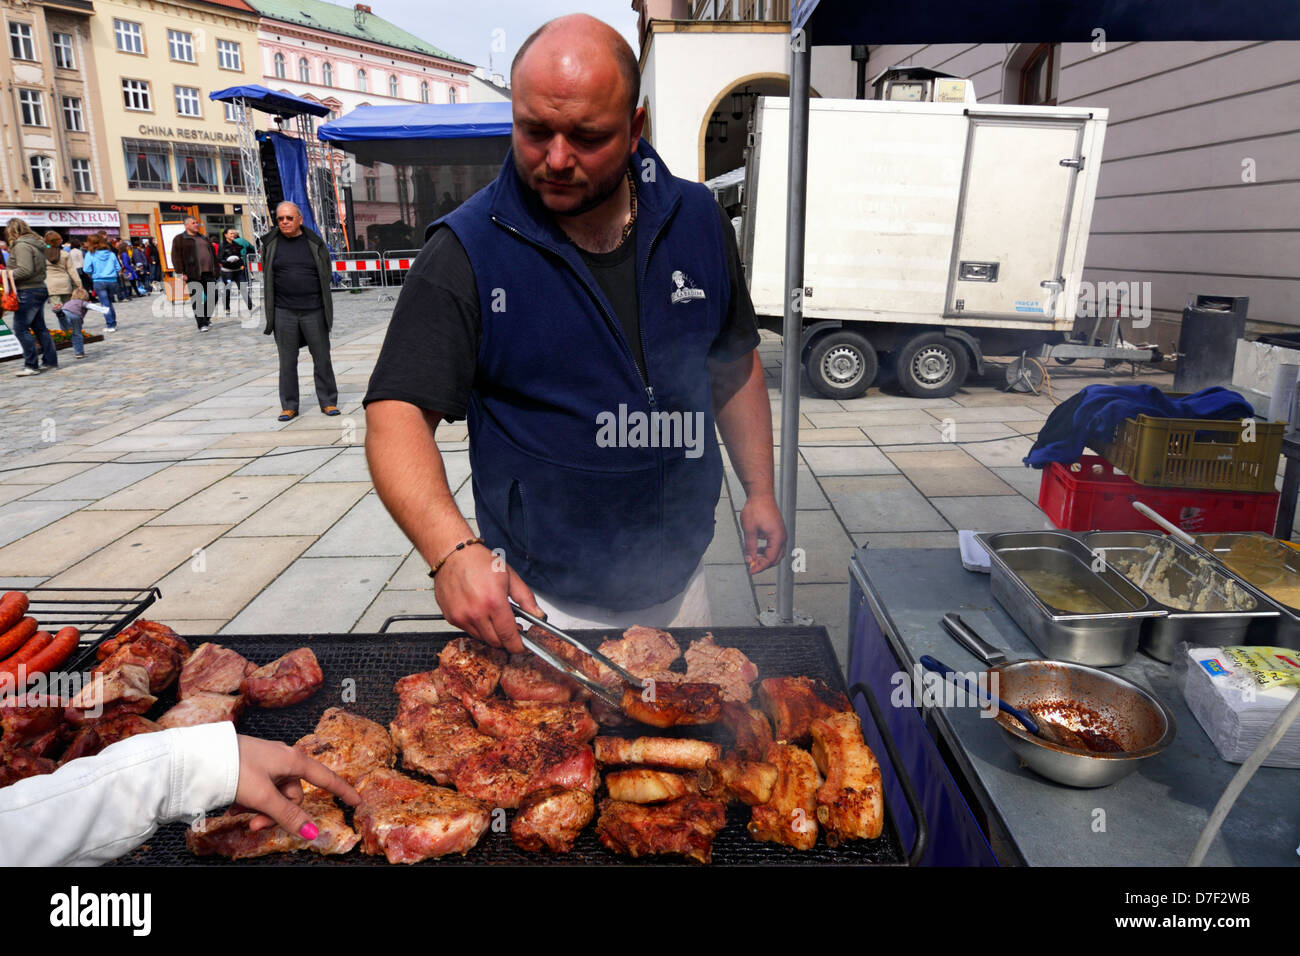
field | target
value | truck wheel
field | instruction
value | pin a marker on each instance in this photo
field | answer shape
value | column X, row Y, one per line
column 841, row 364
column 932, row 365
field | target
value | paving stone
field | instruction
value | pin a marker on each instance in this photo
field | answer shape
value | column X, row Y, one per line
column 812, row 436
column 893, row 435
column 289, row 460
column 988, row 413
column 456, row 464
column 100, row 480
column 808, row 496
column 1026, row 428
column 10, row 493
column 948, row 472
column 366, row 529
column 22, row 517
column 876, row 401
column 725, row 548
column 350, row 465
column 232, row 572
column 140, row 558
column 826, row 548
column 66, row 541
column 131, row 442
column 229, row 501
column 315, row 595
column 390, row 602
column 254, row 408
column 826, row 604
column 260, row 442
column 186, row 629
column 164, row 489
column 303, row 509
column 21, row 584
column 412, row 575
column 1000, row 454
column 1024, row 480
column 236, row 426
column 46, row 474
column 1002, row 513
column 858, row 460
column 731, row 596
column 881, row 503
column 893, row 416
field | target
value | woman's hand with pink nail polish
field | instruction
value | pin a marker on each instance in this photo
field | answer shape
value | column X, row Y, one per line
column 270, row 784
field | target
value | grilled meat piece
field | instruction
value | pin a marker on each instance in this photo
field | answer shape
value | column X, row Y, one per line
column 685, row 826
column 285, row 681
column 28, row 717
column 421, row 688
column 18, row 764
column 467, row 666
column 790, row 816
column 203, row 709
column 124, row 689
column 509, row 770
column 850, row 804
column 214, row 669
column 583, row 663
column 642, row 651
column 159, row 659
column 749, row 729
column 672, row 752
column 551, row 819
column 570, row 723
column 674, row 704
column 94, row 737
column 408, row 821
column 526, row 677
column 749, row 782
column 435, row 739
column 228, row 835
column 725, row 666
column 138, row 629
column 644, row 785
column 348, row 744
column 794, row 703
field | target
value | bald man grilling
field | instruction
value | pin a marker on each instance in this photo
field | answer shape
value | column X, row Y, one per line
column 585, row 314
column 299, row 311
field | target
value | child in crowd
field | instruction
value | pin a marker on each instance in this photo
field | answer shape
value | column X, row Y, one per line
column 71, row 315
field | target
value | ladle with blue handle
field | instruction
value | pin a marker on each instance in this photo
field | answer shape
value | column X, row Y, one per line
column 1031, row 725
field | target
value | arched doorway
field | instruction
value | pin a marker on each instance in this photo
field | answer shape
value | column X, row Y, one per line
column 725, row 123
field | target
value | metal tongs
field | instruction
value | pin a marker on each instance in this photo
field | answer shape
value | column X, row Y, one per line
column 597, row 688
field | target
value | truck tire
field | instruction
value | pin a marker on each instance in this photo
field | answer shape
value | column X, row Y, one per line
column 841, row 364
column 932, row 365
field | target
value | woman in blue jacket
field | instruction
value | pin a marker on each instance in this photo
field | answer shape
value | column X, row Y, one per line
column 102, row 267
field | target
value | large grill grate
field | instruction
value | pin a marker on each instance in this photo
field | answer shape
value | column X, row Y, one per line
column 375, row 663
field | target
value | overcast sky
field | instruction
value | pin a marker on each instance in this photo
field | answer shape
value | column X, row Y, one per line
column 466, row 29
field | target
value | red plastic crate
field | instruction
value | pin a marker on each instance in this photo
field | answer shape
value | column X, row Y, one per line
column 1097, row 498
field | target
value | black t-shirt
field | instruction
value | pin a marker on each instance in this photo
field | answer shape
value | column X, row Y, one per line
column 431, row 349
column 297, row 284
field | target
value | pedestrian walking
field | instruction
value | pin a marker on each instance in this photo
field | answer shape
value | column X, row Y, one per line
column 233, row 259
column 155, row 267
column 195, row 258
column 299, row 311
column 27, row 269
column 101, row 265
column 72, row 316
column 77, row 259
column 125, row 271
column 60, row 276
column 140, row 264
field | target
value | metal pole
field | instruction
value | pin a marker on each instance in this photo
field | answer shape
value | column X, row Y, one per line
column 793, row 325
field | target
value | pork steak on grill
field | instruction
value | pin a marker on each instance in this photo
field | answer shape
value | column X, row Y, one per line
column 285, row 681
column 551, row 819
column 215, row 670
column 408, row 821
column 348, row 744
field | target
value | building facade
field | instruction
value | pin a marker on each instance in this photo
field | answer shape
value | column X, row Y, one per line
column 54, row 171
column 170, row 147
column 345, row 57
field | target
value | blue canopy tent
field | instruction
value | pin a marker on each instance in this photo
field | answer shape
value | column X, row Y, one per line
column 269, row 101
column 847, row 22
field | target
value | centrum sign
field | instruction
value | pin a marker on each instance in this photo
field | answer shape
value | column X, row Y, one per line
column 104, row 218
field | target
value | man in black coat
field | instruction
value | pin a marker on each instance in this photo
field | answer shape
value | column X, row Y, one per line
column 296, row 298
column 195, row 257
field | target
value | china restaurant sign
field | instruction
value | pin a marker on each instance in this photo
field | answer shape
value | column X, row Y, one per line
column 104, row 218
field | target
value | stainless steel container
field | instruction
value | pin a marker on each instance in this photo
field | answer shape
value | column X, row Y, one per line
column 1105, row 639
column 1191, row 576
column 1288, row 621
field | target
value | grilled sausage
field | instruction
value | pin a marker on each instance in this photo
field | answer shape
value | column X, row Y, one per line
column 13, row 605
column 16, row 636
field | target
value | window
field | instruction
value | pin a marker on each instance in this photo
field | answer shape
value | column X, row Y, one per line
column 42, row 172
column 232, row 172
column 128, row 36
column 21, row 44
column 372, row 189
column 451, row 94
column 147, row 165
column 31, row 107
column 196, row 168
column 361, row 81
column 64, row 59
column 279, row 66
column 180, row 45
column 326, row 74
column 304, row 70
column 228, row 57
column 81, row 176
column 1038, row 77
column 234, row 112
column 187, row 101
column 424, row 91
column 135, row 95
column 392, row 84
column 73, row 120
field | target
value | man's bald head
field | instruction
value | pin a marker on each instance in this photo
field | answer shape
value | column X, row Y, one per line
column 559, row 43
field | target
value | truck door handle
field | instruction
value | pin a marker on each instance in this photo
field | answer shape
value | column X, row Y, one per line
column 1073, row 163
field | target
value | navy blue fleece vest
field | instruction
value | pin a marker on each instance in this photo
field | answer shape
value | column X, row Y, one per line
column 571, row 475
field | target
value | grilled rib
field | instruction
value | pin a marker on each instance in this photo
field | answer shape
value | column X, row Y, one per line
column 794, row 703
column 685, row 826
column 751, row 783
column 551, row 819
column 666, row 704
column 673, row 752
column 790, row 816
column 644, row 785
column 850, row 804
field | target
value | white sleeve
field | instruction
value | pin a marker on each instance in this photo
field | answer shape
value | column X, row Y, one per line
column 95, row 809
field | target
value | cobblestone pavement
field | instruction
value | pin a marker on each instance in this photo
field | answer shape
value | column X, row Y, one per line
column 156, row 356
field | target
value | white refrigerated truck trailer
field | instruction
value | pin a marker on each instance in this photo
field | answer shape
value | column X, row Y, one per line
column 937, row 234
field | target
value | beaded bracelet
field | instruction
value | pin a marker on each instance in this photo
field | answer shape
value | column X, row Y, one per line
column 462, row 545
